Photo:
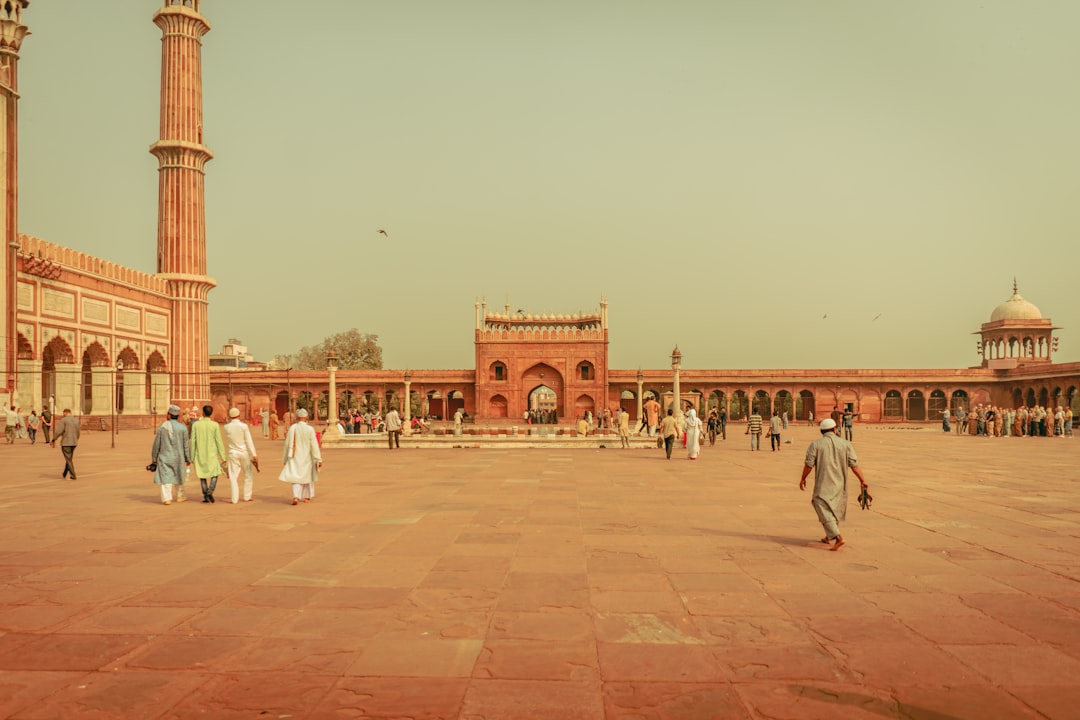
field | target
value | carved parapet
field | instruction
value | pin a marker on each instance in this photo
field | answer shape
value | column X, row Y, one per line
column 44, row 259
column 554, row 334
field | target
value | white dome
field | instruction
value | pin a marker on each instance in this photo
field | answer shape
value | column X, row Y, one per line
column 1015, row 308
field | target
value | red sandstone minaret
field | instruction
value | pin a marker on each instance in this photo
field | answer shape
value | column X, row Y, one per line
column 12, row 32
column 181, row 198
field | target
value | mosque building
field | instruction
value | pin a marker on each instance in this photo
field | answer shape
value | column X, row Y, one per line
column 109, row 341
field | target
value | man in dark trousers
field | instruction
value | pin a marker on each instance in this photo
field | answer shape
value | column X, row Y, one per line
column 67, row 431
column 46, row 423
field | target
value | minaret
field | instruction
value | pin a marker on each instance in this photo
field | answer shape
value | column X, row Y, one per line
column 181, row 198
column 12, row 32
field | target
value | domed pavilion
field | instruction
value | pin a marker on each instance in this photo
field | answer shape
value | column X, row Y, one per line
column 1017, row 334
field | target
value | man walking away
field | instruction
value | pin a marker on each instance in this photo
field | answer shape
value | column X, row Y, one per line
column 301, row 459
column 753, row 427
column 393, row 428
column 775, row 424
column 67, row 429
column 668, row 430
column 46, row 423
column 207, row 452
column 242, row 456
column 624, row 428
column 170, row 454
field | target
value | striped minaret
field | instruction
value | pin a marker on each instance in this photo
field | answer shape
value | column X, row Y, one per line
column 181, row 198
column 12, row 32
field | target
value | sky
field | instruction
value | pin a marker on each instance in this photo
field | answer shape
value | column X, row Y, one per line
column 754, row 182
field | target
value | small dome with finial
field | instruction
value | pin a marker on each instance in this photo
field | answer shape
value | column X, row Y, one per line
column 1015, row 308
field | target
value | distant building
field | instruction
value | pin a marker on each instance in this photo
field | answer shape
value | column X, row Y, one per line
column 559, row 362
column 234, row 356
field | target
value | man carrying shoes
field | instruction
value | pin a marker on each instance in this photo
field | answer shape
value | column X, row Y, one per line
column 829, row 457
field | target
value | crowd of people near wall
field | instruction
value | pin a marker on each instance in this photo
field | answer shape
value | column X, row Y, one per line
column 994, row 421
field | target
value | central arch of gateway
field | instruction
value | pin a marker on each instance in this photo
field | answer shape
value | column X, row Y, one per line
column 559, row 363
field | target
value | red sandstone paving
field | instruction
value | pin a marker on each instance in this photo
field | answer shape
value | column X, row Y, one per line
column 549, row 584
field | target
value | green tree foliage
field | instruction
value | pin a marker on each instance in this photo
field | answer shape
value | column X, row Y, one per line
column 354, row 351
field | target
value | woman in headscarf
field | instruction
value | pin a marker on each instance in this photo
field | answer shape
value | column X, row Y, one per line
column 693, row 434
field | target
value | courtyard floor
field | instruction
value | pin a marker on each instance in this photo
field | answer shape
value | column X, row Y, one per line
column 560, row 583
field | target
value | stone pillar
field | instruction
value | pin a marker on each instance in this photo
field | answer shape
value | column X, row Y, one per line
column 68, row 381
column 135, row 392
column 29, row 386
column 640, row 400
column 160, row 393
column 332, row 404
column 407, row 414
column 102, row 400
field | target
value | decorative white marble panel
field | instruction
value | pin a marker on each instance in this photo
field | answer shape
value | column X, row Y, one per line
column 157, row 324
column 95, row 311
column 26, row 297
column 57, row 302
column 127, row 318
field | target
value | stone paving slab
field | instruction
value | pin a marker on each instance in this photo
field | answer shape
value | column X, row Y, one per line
column 507, row 582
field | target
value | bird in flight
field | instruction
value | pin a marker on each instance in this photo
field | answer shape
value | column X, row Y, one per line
column 825, row 316
column 384, row 232
column 877, row 316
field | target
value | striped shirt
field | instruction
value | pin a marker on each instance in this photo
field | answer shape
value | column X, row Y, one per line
column 755, row 424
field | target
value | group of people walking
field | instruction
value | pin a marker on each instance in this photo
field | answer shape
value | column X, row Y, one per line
column 210, row 449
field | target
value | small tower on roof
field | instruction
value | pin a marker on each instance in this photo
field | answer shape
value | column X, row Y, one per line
column 1017, row 334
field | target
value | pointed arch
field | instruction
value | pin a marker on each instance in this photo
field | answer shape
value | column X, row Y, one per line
column 25, row 349
column 129, row 358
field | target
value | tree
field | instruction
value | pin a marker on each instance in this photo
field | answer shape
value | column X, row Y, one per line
column 354, row 351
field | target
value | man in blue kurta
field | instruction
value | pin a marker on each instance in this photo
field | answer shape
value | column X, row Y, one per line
column 207, row 452
column 172, row 453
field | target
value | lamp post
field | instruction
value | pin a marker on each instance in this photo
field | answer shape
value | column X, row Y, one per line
column 676, row 365
column 119, row 368
column 332, row 406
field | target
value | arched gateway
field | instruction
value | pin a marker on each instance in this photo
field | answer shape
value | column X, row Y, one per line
column 552, row 365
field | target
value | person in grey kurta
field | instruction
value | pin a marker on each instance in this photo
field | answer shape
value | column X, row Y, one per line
column 172, row 453
column 829, row 457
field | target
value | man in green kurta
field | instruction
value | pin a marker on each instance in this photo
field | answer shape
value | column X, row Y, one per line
column 207, row 452
column 829, row 457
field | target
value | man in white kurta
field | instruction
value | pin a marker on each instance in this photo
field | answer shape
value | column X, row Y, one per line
column 302, row 459
column 241, row 456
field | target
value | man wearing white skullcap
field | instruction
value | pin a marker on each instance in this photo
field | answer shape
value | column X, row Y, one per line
column 170, row 453
column 242, row 456
column 301, row 458
column 829, row 457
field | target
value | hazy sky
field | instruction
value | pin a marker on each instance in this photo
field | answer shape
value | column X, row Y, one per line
column 725, row 173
